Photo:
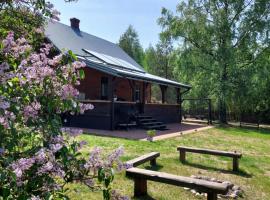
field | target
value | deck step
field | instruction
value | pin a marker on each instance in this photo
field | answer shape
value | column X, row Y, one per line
column 156, row 127
column 148, row 123
column 147, row 120
column 152, row 123
column 144, row 117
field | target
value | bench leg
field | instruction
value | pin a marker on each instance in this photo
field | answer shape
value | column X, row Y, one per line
column 140, row 187
column 211, row 196
column 153, row 162
column 182, row 156
column 235, row 164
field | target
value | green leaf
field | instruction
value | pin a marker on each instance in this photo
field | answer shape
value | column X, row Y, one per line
column 82, row 74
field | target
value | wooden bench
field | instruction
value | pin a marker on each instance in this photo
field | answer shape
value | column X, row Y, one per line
column 249, row 124
column 236, row 156
column 140, row 177
column 145, row 158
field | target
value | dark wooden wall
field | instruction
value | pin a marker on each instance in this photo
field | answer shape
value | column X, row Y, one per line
column 163, row 112
column 98, row 118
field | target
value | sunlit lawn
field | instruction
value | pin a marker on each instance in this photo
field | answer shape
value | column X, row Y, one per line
column 254, row 177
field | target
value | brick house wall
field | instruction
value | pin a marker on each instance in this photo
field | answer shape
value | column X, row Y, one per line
column 91, row 86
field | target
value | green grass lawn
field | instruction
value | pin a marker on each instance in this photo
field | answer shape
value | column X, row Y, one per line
column 254, row 177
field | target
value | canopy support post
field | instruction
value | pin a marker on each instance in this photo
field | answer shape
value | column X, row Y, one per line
column 163, row 93
column 111, row 97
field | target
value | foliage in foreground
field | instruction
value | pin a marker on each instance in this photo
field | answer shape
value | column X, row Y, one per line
column 37, row 84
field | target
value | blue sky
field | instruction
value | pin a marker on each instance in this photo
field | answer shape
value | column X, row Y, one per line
column 108, row 19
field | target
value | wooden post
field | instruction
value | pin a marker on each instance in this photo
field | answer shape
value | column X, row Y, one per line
column 143, row 95
column 140, row 187
column 182, row 155
column 178, row 101
column 111, row 97
column 131, row 84
column 181, row 109
column 177, row 95
column 210, row 112
column 163, row 93
column 235, row 164
column 211, row 196
column 153, row 162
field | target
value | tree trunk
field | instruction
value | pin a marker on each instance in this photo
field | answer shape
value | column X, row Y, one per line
column 222, row 110
column 223, row 95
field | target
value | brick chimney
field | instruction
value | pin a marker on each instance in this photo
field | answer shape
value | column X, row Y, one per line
column 75, row 23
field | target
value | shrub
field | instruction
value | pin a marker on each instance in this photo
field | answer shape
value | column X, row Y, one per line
column 151, row 134
column 37, row 156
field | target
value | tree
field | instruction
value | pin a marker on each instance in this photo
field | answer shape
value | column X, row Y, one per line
column 157, row 59
column 223, row 38
column 130, row 43
column 37, row 86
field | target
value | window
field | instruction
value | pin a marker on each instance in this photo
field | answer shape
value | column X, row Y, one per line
column 104, row 88
column 137, row 93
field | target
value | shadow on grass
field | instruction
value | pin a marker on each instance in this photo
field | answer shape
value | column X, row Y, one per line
column 146, row 197
column 154, row 168
column 239, row 173
column 246, row 129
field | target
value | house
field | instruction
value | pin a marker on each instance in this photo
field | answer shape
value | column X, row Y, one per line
column 117, row 86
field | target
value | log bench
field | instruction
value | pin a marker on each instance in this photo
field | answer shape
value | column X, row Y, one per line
column 236, row 156
column 145, row 158
column 250, row 124
column 140, row 177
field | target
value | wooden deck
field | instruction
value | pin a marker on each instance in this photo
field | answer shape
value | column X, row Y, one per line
column 175, row 129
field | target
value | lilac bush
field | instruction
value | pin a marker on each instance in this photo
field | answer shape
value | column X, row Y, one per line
column 38, row 157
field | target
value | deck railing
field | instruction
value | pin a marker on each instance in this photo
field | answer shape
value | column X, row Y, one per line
column 101, row 115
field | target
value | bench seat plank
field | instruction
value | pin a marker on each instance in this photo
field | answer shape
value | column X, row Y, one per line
column 209, row 151
column 144, row 158
column 198, row 184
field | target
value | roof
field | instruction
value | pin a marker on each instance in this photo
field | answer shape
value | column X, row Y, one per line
column 101, row 54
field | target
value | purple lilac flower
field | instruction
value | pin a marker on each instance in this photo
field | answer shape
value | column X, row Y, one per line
column 56, row 60
column 55, row 147
column 39, row 30
column 4, row 104
column 22, row 165
column 78, row 65
column 4, row 122
column 115, row 156
column 84, row 107
column 31, row 111
column 51, row 168
column 41, row 156
column 73, row 132
column 57, row 139
column 8, row 42
column 117, row 196
column 3, row 67
column 94, row 161
column 82, row 143
column 89, row 182
column 68, row 91
column 2, row 151
column 35, row 198
column 47, row 167
column 55, row 15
